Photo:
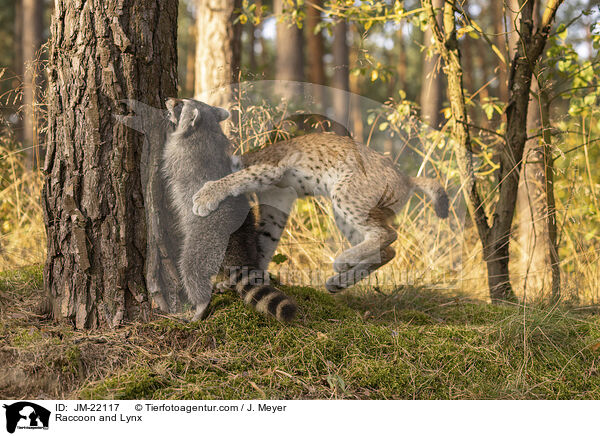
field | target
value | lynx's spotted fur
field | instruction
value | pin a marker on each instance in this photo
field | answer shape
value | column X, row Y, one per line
column 365, row 189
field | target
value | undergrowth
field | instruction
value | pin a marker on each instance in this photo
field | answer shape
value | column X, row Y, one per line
column 409, row 343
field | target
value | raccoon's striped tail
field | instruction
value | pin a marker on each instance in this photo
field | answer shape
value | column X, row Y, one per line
column 264, row 298
column 435, row 191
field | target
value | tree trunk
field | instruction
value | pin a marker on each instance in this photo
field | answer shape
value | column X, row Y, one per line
column 289, row 62
column 355, row 97
column 31, row 40
column 190, row 62
column 501, row 41
column 431, row 99
column 495, row 238
column 532, row 227
column 315, row 49
column 535, row 205
column 252, row 64
column 101, row 53
column 549, row 190
column 341, row 76
column 218, row 49
column 401, row 66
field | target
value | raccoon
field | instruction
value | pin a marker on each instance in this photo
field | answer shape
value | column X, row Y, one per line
column 195, row 153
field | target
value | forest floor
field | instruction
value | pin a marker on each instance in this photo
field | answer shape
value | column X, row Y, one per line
column 405, row 344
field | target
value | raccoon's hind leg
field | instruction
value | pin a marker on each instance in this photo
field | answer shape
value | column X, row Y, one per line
column 275, row 206
column 199, row 260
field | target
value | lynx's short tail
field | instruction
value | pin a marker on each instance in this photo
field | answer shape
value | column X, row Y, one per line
column 435, row 191
column 262, row 297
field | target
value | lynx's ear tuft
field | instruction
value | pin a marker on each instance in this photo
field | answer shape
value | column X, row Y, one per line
column 221, row 114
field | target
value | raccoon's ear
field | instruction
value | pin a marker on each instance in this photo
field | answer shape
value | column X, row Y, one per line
column 220, row 113
column 195, row 116
column 189, row 118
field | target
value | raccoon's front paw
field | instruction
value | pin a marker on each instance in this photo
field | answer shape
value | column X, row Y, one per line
column 205, row 201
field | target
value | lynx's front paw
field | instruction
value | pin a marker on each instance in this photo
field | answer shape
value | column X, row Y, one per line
column 205, row 200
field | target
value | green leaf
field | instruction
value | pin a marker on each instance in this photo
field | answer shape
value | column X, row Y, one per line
column 488, row 108
column 562, row 31
column 589, row 100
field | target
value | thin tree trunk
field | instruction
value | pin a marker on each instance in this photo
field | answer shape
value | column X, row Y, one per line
column 401, row 66
column 494, row 238
column 432, row 85
column 101, row 53
column 190, row 63
column 469, row 82
column 252, row 64
column 315, row 49
column 534, row 267
column 218, row 49
column 341, row 75
column 355, row 97
column 289, row 62
column 501, row 42
column 549, row 189
column 31, row 39
column 258, row 34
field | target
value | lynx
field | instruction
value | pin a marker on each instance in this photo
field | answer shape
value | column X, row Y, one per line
column 194, row 154
column 365, row 188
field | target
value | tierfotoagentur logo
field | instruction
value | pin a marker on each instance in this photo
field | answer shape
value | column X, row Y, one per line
column 26, row 416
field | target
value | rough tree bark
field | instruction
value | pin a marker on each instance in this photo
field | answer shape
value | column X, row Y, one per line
column 218, row 48
column 495, row 237
column 433, row 84
column 31, row 40
column 101, row 53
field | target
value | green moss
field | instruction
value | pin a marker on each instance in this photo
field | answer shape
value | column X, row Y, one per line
column 25, row 337
column 407, row 343
column 24, row 279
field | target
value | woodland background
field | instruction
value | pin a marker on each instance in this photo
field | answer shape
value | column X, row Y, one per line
column 390, row 53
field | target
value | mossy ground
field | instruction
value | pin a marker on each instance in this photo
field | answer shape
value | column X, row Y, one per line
column 403, row 344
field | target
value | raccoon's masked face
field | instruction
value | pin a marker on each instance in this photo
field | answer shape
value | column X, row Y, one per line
column 187, row 115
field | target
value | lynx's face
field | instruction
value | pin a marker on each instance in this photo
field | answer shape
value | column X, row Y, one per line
column 187, row 114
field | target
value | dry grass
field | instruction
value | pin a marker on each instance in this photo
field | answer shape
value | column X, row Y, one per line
column 22, row 234
column 431, row 252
